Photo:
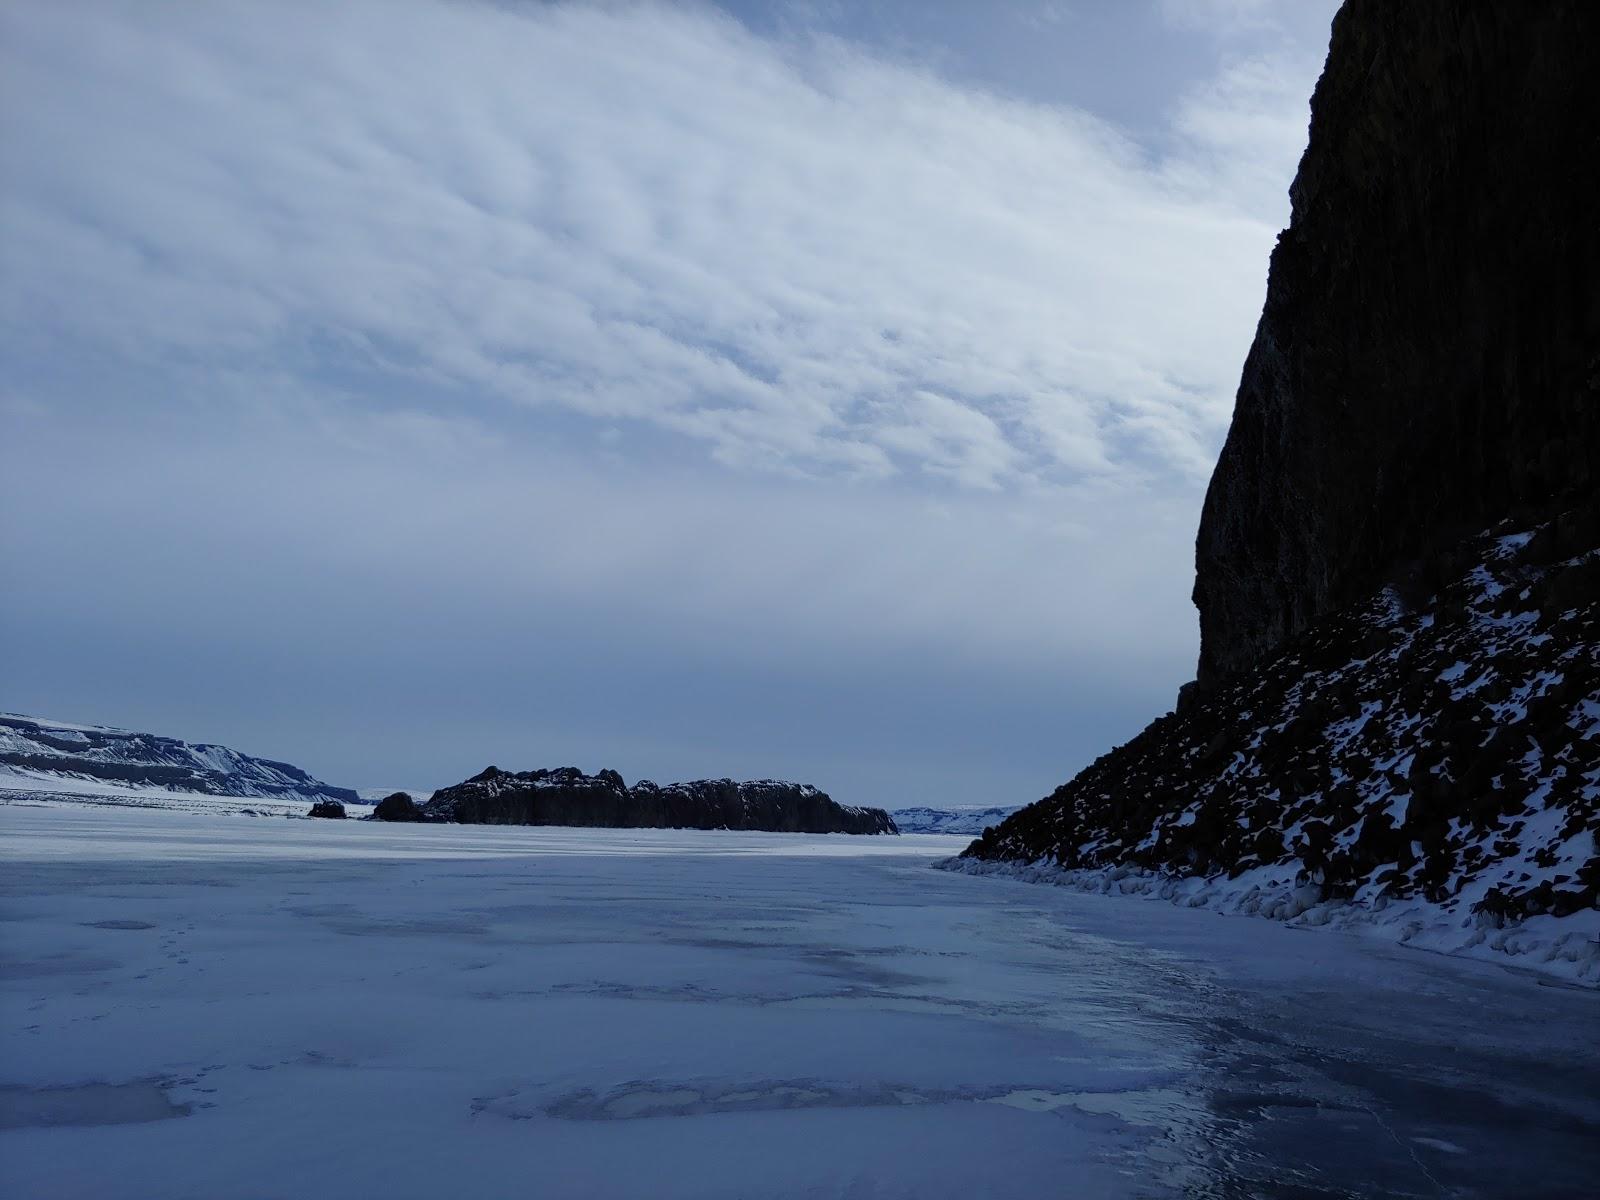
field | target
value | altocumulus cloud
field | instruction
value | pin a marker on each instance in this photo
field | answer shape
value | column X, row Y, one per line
column 807, row 346
column 808, row 258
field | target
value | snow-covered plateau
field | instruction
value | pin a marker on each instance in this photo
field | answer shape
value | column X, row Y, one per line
column 371, row 795
column 968, row 821
column 202, row 1006
column 40, row 753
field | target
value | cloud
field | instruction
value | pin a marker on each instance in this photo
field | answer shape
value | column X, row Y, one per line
column 1224, row 17
column 804, row 257
column 401, row 387
column 356, row 593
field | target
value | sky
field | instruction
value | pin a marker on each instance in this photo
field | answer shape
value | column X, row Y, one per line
column 808, row 390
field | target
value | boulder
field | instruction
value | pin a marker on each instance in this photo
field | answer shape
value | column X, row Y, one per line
column 397, row 806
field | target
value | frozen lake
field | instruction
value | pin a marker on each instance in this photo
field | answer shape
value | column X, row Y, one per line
column 219, row 1006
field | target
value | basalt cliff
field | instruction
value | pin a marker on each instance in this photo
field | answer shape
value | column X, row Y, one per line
column 1398, row 559
column 1428, row 358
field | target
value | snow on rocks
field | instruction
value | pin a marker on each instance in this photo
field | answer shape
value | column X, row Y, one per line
column 1427, row 762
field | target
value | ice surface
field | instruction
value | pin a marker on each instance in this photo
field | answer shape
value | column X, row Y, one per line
column 197, row 1005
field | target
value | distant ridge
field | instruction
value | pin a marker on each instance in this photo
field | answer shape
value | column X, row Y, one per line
column 943, row 820
column 45, row 751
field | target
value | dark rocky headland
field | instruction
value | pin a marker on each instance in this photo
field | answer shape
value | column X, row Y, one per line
column 1398, row 559
column 568, row 796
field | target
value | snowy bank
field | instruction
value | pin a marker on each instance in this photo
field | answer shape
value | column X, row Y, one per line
column 1564, row 947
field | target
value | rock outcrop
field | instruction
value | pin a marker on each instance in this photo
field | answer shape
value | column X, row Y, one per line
column 568, row 796
column 328, row 809
column 1398, row 562
column 397, row 806
column 1428, row 358
column 45, row 750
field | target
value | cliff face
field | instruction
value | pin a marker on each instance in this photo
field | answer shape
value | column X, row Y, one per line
column 1398, row 563
column 1428, row 358
column 567, row 796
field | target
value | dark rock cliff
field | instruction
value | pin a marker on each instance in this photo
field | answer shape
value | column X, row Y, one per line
column 1398, row 563
column 567, row 796
column 1428, row 358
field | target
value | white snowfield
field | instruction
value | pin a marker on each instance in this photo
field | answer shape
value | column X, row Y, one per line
column 205, row 1006
column 35, row 787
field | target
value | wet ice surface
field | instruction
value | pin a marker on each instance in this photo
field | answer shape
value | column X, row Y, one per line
column 86, row 1104
column 211, row 1006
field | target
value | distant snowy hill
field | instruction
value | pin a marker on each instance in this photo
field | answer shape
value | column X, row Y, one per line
column 34, row 751
column 371, row 795
column 966, row 821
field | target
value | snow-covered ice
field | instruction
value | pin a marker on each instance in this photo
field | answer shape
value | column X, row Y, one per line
column 203, row 1006
column 36, row 787
column 1566, row 948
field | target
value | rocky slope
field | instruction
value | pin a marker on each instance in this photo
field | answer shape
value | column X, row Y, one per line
column 1428, row 357
column 46, row 752
column 567, row 796
column 1398, row 563
column 1446, row 746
